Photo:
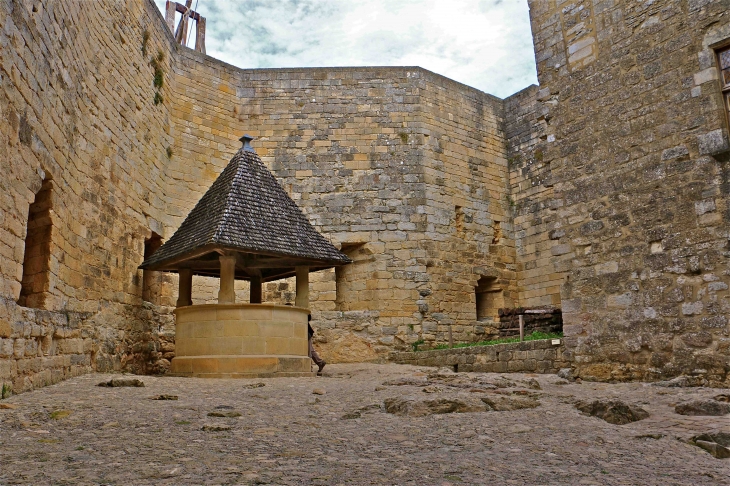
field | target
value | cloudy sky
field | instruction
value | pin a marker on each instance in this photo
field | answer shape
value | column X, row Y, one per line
column 482, row 43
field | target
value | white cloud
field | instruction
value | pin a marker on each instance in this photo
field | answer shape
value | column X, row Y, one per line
column 482, row 43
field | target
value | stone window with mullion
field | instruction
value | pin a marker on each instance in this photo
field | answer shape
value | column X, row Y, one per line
column 723, row 57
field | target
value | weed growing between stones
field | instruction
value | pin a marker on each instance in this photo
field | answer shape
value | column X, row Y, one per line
column 145, row 41
column 416, row 344
column 156, row 63
column 7, row 390
column 158, row 80
column 159, row 77
column 530, row 337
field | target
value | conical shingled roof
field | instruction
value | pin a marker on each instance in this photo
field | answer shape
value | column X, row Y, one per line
column 247, row 211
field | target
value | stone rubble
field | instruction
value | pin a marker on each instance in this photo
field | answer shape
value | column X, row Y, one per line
column 165, row 397
column 703, row 407
column 120, row 382
column 716, row 444
column 505, row 404
column 613, row 411
column 415, row 407
column 682, row 381
column 224, row 414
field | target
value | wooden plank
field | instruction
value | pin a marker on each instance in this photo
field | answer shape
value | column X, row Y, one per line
column 200, row 35
column 181, row 34
column 182, row 30
column 170, row 8
column 182, row 9
column 174, row 264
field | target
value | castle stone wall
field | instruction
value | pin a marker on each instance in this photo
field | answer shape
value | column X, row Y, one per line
column 77, row 109
column 534, row 209
column 403, row 169
column 637, row 146
column 603, row 192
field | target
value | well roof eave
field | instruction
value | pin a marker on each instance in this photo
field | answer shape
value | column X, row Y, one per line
column 176, row 263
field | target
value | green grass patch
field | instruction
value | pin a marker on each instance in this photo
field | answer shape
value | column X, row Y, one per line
column 535, row 336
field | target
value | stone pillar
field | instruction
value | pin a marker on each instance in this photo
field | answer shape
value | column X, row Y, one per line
column 256, row 290
column 227, row 292
column 185, row 296
column 302, row 298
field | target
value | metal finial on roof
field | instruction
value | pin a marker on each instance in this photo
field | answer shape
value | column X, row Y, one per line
column 246, row 139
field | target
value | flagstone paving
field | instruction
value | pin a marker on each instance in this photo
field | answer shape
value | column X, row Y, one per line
column 333, row 430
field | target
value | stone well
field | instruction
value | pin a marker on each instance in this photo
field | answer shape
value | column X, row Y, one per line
column 245, row 227
column 241, row 341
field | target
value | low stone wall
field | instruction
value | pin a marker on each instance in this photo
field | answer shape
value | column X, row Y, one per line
column 541, row 356
column 41, row 347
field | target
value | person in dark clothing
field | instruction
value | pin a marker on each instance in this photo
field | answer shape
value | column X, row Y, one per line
column 312, row 353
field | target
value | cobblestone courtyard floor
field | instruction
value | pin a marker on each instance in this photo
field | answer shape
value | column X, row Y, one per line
column 332, row 430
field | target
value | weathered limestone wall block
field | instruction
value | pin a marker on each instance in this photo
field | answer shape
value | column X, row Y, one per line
column 636, row 142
